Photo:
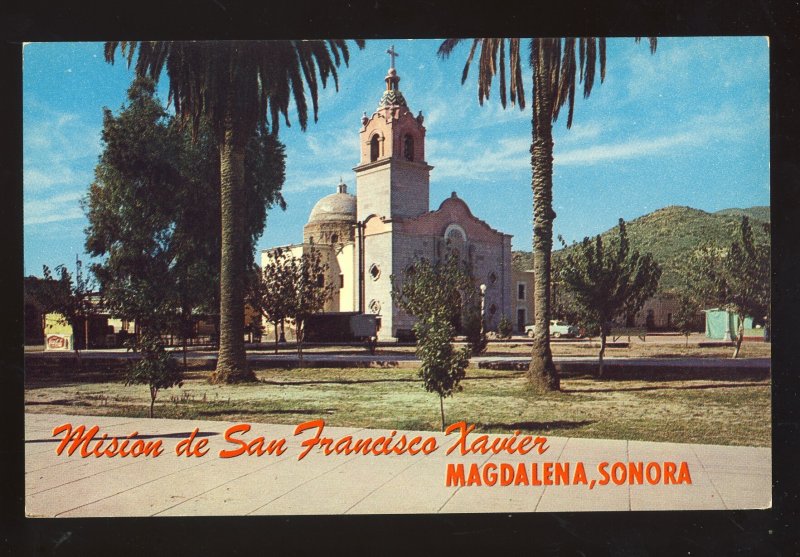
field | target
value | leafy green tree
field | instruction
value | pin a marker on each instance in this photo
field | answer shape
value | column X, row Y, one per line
column 72, row 300
column 685, row 317
column 475, row 331
column 436, row 294
column 155, row 368
column 556, row 64
column 736, row 278
column 154, row 213
column 237, row 87
column 609, row 281
column 310, row 291
column 442, row 367
column 446, row 288
column 275, row 290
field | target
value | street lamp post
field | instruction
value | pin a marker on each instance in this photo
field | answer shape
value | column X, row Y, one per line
column 483, row 309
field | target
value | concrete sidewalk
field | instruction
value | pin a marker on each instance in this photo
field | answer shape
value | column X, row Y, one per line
column 70, row 486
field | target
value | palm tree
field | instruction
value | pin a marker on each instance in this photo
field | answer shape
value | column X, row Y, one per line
column 555, row 67
column 237, row 86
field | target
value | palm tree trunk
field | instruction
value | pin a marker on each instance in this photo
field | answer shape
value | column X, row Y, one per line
column 232, row 360
column 542, row 374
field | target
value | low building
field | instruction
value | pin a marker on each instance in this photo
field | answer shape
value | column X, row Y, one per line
column 522, row 288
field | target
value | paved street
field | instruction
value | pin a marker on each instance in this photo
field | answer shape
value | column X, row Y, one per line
column 70, row 486
column 409, row 359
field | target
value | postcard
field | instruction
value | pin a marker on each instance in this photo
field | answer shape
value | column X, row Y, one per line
column 399, row 276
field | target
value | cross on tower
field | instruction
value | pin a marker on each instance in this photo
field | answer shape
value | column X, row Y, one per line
column 391, row 52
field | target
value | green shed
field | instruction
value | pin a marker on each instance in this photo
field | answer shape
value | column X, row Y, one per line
column 721, row 324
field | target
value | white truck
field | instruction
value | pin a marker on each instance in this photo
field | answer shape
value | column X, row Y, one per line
column 558, row 329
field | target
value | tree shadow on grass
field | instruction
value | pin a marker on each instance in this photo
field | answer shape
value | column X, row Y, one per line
column 230, row 411
column 125, row 437
column 303, row 382
column 58, row 402
column 536, row 427
column 669, row 387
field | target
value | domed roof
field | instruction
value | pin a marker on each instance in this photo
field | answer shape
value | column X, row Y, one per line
column 392, row 96
column 340, row 206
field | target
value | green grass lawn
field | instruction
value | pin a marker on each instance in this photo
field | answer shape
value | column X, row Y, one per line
column 689, row 411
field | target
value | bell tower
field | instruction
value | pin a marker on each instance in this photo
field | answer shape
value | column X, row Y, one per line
column 392, row 178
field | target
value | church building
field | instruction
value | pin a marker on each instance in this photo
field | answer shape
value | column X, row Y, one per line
column 388, row 224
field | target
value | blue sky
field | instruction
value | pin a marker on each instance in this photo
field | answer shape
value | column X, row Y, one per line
column 686, row 126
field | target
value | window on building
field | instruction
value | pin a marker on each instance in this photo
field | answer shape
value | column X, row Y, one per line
column 374, row 271
column 520, row 291
column 320, row 280
column 334, row 238
column 492, row 309
column 492, row 278
column 341, row 281
column 408, row 148
column 373, row 148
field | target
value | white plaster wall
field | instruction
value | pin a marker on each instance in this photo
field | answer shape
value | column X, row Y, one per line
column 378, row 250
column 348, row 267
column 410, row 188
column 373, row 196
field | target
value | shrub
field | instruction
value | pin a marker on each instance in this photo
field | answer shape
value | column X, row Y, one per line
column 156, row 368
column 442, row 367
column 504, row 328
column 475, row 333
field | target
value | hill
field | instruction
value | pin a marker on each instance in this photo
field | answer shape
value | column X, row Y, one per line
column 672, row 232
column 760, row 213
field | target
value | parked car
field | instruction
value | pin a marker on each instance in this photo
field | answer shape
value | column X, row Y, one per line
column 558, row 329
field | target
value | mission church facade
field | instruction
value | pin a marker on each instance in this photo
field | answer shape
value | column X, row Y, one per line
column 388, row 225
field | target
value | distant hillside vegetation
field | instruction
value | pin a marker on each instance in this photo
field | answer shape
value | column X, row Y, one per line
column 672, row 232
column 755, row 213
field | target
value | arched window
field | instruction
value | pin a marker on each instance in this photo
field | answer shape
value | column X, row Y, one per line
column 373, row 148
column 408, row 148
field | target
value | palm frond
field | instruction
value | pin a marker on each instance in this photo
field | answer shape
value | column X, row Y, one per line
column 447, row 47
column 591, row 59
column 517, row 86
column 503, row 73
column 256, row 79
column 602, row 49
column 469, row 60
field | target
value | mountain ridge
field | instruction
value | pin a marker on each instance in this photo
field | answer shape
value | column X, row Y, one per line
column 672, row 232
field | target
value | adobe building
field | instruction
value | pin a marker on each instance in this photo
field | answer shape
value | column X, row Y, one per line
column 388, row 224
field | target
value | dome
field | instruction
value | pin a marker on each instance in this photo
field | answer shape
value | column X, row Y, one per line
column 340, row 206
column 392, row 98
